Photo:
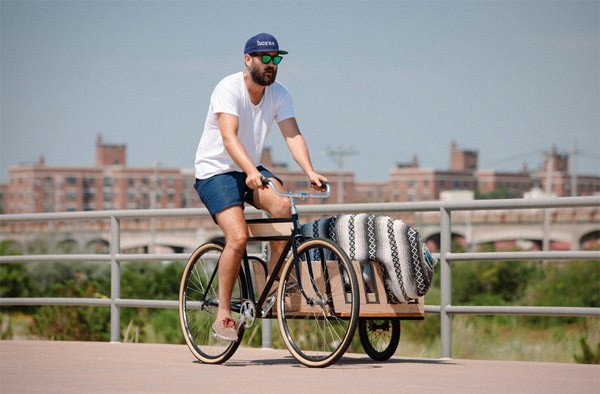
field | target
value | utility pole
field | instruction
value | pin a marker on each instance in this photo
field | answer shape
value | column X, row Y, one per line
column 338, row 155
column 574, row 171
column 549, row 175
column 574, row 190
column 153, row 203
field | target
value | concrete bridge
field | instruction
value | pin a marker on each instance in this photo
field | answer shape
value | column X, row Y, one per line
column 568, row 229
column 92, row 367
column 563, row 228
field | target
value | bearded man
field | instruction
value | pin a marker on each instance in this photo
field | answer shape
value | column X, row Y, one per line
column 229, row 174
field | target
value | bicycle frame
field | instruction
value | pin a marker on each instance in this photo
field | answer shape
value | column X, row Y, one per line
column 247, row 269
column 293, row 240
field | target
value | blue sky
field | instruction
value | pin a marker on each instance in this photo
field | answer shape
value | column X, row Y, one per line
column 389, row 79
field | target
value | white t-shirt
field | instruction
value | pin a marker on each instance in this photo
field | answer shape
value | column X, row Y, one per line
column 255, row 121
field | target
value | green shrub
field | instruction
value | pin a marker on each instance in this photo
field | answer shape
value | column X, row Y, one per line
column 588, row 356
column 498, row 281
column 166, row 326
column 73, row 323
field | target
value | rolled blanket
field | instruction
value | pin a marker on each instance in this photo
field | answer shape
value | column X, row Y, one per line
column 407, row 263
column 321, row 228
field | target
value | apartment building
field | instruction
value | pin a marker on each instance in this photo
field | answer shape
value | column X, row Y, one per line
column 410, row 182
column 110, row 184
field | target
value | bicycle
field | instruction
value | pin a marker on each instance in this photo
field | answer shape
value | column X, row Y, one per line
column 316, row 304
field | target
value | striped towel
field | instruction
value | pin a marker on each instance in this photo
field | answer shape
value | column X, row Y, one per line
column 407, row 263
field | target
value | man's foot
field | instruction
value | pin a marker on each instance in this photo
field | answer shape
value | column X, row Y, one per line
column 225, row 330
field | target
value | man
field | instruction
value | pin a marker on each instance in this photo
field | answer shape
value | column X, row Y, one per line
column 242, row 110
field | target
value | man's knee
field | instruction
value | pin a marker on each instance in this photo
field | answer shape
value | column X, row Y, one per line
column 237, row 240
column 281, row 209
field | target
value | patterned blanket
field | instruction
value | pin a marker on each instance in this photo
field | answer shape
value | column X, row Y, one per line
column 407, row 263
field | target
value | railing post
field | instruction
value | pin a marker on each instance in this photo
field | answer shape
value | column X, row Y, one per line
column 446, row 283
column 115, row 280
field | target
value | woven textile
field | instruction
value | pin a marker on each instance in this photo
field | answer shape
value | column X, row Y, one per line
column 407, row 263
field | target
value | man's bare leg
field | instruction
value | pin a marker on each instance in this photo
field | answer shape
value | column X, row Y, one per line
column 277, row 207
column 233, row 224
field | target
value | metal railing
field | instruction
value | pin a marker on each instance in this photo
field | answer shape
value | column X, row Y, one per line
column 446, row 256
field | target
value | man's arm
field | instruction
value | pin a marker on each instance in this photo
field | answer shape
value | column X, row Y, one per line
column 229, row 125
column 297, row 146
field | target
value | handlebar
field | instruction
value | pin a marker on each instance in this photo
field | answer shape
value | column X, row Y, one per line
column 301, row 195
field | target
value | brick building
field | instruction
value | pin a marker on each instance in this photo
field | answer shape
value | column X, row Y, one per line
column 109, row 185
column 410, row 182
column 514, row 183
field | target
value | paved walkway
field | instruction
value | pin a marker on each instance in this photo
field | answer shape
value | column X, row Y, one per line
column 92, row 367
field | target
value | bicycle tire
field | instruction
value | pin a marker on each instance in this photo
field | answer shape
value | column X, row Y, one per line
column 318, row 335
column 379, row 337
column 196, row 314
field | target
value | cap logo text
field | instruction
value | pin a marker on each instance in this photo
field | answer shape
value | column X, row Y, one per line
column 261, row 43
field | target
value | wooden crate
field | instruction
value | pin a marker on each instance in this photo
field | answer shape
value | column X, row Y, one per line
column 269, row 229
column 373, row 298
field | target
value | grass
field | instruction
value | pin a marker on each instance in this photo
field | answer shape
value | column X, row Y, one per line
column 484, row 338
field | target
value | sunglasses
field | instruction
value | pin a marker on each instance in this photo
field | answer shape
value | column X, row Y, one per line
column 266, row 59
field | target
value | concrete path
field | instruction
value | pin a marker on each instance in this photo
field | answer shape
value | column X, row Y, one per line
column 92, row 367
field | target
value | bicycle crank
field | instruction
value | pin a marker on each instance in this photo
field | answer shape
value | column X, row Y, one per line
column 247, row 314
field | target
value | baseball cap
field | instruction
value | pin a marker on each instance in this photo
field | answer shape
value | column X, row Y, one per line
column 263, row 42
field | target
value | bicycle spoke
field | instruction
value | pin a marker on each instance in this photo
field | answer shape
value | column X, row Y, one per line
column 198, row 304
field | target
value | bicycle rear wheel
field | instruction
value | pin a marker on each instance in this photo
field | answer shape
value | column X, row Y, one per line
column 379, row 337
column 318, row 332
column 199, row 302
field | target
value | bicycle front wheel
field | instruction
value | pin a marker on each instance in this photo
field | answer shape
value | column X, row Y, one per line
column 318, row 303
column 199, row 302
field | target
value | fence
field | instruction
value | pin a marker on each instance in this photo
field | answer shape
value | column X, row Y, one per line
column 446, row 256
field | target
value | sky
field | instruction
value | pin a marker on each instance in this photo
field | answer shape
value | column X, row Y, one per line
column 387, row 80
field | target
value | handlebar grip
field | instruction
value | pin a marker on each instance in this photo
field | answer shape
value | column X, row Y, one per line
column 323, row 184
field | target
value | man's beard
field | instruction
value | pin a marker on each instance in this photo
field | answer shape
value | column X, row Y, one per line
column 263, row 78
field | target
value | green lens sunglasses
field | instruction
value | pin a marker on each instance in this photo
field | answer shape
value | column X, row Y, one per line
column 266, row 59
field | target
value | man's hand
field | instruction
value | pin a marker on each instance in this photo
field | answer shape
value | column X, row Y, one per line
column 316, row 181
column 254, row 180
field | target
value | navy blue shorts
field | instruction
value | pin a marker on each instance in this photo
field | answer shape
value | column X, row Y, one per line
column 226, row 190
